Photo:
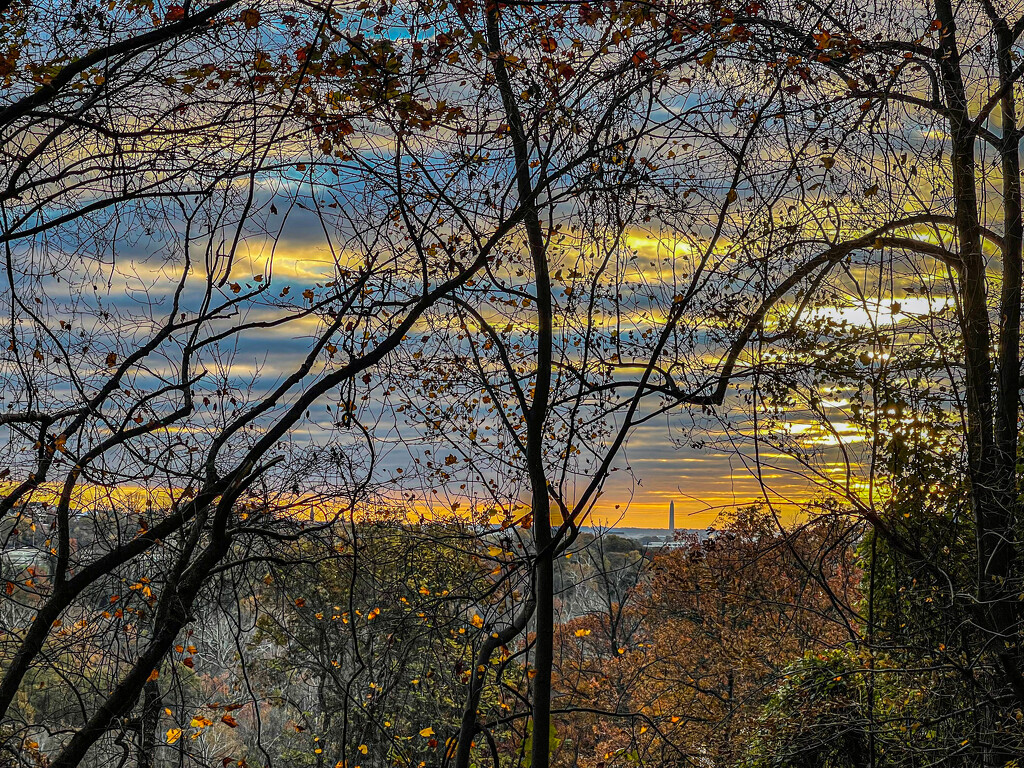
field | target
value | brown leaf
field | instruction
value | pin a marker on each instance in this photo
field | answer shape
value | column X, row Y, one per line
column 250, row 17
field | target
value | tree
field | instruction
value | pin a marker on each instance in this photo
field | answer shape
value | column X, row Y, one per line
column 524, row 380
column 716, row 629
column 914, row 220
column 144, row 437
column 372, row 642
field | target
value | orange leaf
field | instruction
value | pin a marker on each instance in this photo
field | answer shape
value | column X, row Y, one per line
column 153, row 675
column 229, row 721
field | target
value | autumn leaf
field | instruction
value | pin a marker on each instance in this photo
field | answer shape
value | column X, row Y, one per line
column 229, row 721
column 173, row 734
column 153, row 675
column 111, row 359
column 427, row 732
column 548, row 44
column 363, row 749
column 708, row 58
column 250, row 17
column 174, row 13
column 477, row 621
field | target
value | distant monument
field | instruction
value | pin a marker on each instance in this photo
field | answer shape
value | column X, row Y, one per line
column 671, row 517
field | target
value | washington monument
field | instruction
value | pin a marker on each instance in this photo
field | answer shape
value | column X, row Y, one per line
column 671, row 516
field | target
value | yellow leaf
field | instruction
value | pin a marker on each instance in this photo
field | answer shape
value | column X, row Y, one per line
column 363, row 749
column 477, row 621
column 427, row 732
column 582, row 632
column 173, row 735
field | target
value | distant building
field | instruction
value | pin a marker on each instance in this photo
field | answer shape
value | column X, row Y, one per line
column 671, row 518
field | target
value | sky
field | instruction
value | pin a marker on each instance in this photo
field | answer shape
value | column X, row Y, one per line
column 704, row 463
